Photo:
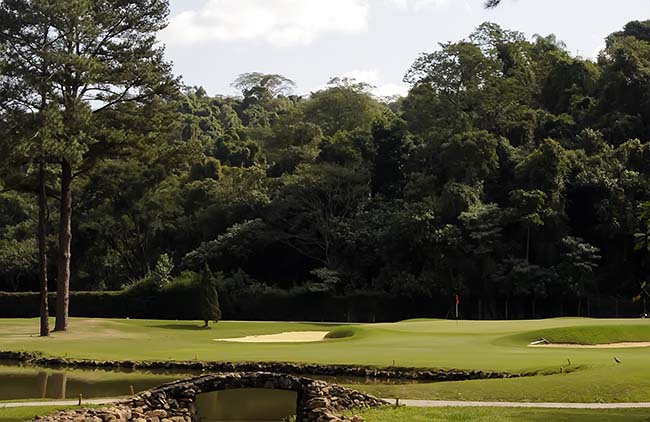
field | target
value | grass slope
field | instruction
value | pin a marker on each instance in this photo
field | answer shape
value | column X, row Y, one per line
column 22, row 414
column 485, row 345
column 597, row 334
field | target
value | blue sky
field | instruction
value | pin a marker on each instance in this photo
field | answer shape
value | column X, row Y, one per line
column 375, row 41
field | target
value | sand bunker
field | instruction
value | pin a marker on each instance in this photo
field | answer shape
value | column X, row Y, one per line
column 594, row 346
column 289, row 337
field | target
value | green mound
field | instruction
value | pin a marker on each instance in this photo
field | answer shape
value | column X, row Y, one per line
column 591, row 335
column 343, row 332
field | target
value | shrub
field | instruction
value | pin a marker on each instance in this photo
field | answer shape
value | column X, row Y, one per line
column 209, row 297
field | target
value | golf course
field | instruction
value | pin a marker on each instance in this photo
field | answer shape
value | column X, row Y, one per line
column 613, row 369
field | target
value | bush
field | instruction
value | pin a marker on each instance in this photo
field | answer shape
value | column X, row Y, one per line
column 239, row 296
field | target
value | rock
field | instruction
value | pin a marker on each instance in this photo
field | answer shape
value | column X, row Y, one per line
column 157, row 413
column 174, row 402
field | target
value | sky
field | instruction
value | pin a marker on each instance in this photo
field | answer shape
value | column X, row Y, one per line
column 211, row 42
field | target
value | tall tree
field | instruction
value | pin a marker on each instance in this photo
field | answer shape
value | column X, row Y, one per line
column 98, row 54
column 23, row 105
column 209, row 297
column 275, row 84
column 490, row 4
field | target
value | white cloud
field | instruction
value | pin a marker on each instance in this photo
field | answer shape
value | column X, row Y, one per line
column 418, row 4
column 381, row 88
column 391, row 89
column 368, row 76
column 278, row 22
column 421, row 4
column 597, row 51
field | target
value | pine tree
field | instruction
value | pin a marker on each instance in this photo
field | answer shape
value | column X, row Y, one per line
column 209, row 297
column 80, row 59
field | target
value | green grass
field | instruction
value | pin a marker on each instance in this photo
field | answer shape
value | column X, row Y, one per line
column 21, row 414
column 484, row 345
column 597, row 334
column 345, row 332
column 504, row 415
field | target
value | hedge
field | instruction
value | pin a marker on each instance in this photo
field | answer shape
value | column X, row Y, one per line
column 271, row 304
column 179, row 302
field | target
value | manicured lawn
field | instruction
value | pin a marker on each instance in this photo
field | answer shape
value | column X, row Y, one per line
column 504, row 415
column 485, row 345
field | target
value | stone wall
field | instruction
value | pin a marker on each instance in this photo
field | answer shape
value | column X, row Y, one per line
column 318, row 401
column 388, row 373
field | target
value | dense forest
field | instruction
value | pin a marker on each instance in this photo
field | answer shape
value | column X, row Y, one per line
column 512, row 170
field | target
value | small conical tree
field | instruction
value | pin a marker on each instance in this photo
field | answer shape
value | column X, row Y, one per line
column 209, row 306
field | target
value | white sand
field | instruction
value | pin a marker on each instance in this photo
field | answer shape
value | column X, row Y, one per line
column 289, row 337
column 595, row 346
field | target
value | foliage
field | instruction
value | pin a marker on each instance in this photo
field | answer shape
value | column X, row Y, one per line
column 209, row 297
column 513, row 173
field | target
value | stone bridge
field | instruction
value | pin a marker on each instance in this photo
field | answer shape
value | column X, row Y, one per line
column 317, row 401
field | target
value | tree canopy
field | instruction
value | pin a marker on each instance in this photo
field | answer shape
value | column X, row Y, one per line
column 511, row 172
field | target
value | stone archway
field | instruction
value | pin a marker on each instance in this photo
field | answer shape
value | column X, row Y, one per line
column 316, row 400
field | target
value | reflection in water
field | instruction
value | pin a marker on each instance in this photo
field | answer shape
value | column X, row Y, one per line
column 26, row 382
column 56, row 385
column 41, row 378
column 51, row 386
column 37, row 383
column 246, row 404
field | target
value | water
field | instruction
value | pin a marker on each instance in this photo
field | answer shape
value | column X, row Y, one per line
column 32, row 383
column 28, row 383
column 246, row 404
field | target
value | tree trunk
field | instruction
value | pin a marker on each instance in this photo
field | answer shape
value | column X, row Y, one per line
column 528, row 245
column 534, row 307
column 65, row 238
column 42, row 384
column 42, row 251
column 579, row 305
column 59, row 381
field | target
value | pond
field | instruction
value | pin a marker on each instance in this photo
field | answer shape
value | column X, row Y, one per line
column 246, row 404
column 28, row 383
column 22, row 382
column 19, row 382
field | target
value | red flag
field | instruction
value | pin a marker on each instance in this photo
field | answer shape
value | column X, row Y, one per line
column 457, row 300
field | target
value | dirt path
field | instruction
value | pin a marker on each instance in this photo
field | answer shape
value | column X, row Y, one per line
column 58, row 402
column 409, row 403
column 443, row 403
column 623, row 345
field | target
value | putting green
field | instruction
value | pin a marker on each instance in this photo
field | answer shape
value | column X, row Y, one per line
column 485, row 345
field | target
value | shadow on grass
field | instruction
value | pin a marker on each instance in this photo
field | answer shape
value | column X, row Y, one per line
column 193, row 327
column 189, row 327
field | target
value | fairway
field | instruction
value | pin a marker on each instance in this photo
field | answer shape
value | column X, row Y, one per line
column 483, row 345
